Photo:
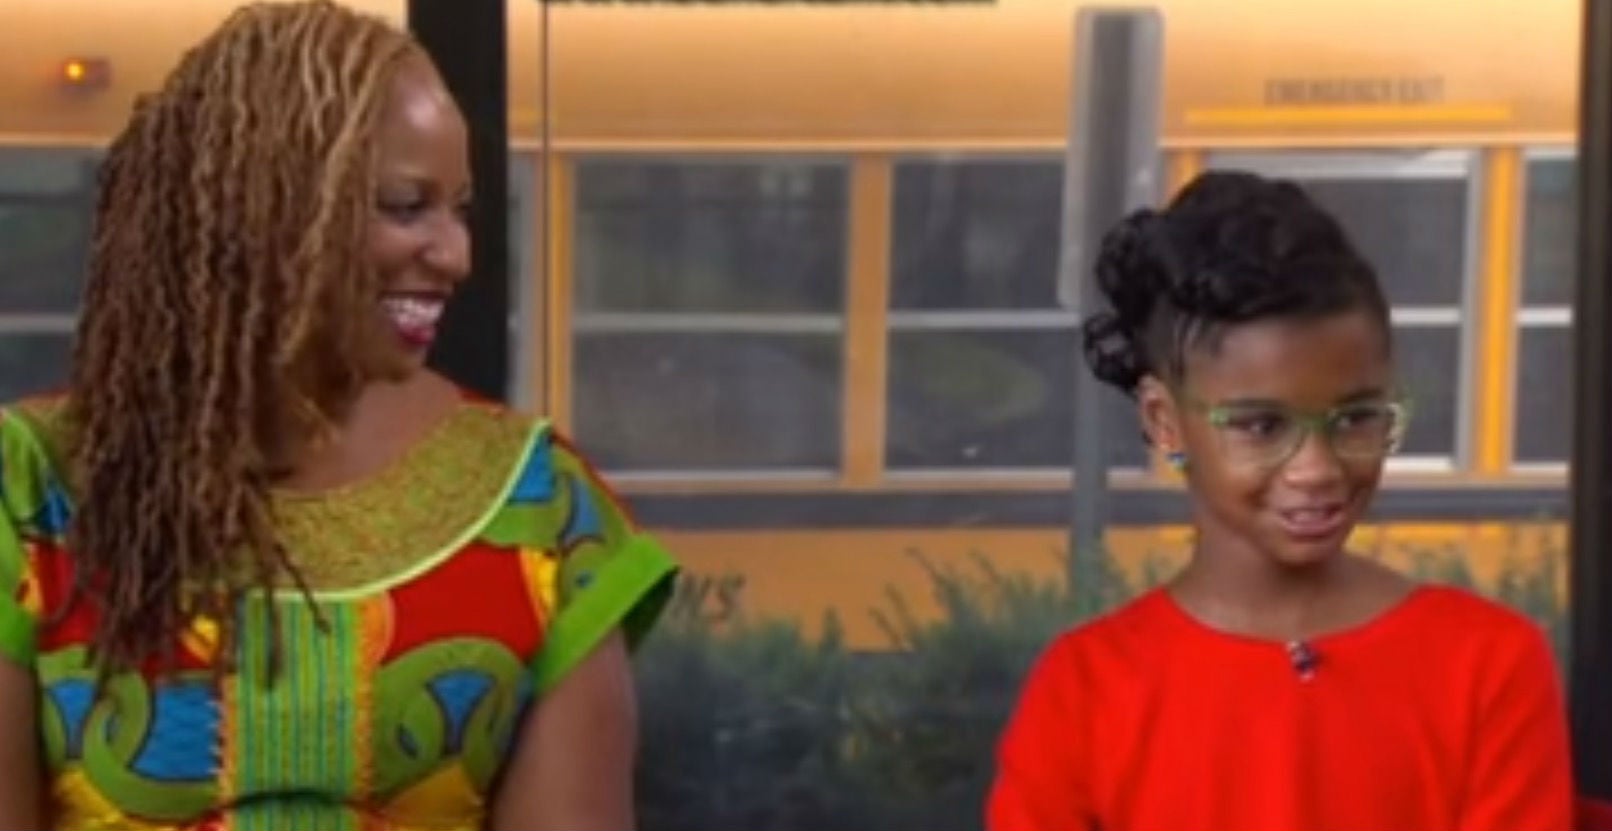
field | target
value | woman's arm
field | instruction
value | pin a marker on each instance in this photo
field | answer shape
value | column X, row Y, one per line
column 572, row 767
column 21, row 796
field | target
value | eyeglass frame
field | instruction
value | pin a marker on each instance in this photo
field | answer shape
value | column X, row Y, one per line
column 1398, row 405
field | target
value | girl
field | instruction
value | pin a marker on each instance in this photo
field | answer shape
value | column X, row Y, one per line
column 1279, row 682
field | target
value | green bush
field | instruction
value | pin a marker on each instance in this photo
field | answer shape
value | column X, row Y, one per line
column 756, row 727
column 743, row 730
column 928, row 724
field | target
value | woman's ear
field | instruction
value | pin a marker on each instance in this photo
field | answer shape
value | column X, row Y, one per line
column 1161, row 418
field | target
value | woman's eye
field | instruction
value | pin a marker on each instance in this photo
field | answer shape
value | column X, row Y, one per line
column 402, row 209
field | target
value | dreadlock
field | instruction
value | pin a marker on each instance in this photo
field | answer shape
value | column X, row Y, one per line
column 216, row 340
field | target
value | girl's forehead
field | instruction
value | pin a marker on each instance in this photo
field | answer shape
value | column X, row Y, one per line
column 1301, row 361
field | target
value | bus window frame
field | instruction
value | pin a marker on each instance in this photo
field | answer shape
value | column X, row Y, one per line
column 1536, row 316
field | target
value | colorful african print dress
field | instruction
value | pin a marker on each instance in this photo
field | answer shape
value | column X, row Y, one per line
column 454, row 588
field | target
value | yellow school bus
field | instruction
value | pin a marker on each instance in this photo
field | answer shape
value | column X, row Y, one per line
column 788, row 271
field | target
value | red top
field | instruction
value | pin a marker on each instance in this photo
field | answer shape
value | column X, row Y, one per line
column 1594, row 815
column 1442, row 714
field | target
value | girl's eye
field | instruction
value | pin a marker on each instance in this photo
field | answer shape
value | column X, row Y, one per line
column 1361, row 418
column 1257, row 424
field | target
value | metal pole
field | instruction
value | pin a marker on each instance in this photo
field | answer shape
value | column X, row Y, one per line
column 1111, row 168
column 1590, row 679
column 467, row 43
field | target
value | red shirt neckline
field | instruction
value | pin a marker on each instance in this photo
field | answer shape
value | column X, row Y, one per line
column 1185, row 621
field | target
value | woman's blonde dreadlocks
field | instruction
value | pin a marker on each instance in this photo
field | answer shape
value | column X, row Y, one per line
column 218, row 332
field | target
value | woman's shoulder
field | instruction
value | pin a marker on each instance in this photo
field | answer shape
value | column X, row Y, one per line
column 461, row 432
column 32, row 443
column 34, row 514
column 549, row 450
column 40, row 417
column 549, row 477
column 539, row 449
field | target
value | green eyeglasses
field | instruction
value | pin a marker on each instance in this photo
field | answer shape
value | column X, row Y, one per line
column 1267, row 434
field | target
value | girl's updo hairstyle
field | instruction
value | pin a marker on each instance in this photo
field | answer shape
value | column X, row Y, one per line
column 1232, row 248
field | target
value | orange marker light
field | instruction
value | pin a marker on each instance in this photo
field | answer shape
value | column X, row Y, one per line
column 86, row 73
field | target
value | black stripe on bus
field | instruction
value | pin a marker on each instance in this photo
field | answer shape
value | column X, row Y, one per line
column 1004, row 509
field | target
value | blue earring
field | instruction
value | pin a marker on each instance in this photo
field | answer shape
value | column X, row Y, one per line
column 1177, row 460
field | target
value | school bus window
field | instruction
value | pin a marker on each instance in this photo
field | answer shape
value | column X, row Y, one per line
column 744, row 237
column 976, row 235
column 982, row 358
column 33, row 361
column 1550, row 238
column 1545, row 349
column 1410, row 217
column 993, row 398
column 1543, row 427
column 46, row 211
column 47, row 206
column 1425, row 355
column 691, row 402
column 1413, row 229
column 709, row 307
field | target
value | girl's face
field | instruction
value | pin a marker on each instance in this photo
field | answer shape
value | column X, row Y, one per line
column 1285, row 424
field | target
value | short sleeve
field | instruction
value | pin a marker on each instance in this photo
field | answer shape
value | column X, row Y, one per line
column 17, row 624
column 1520, row 770
column 610, row 574
column 1041, row 777
column 32, row 507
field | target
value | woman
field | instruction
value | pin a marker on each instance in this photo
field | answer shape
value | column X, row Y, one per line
column 259, row 567
column 1279, row 682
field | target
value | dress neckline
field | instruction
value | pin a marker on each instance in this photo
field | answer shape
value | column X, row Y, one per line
column 1363, row 631
column 366, row 536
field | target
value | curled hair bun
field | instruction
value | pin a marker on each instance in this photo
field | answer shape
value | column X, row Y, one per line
column 1131, row 277
column 1231, row 248
column 1233, row 271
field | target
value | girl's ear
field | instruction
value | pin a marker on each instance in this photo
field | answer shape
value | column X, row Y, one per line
column 1160, row 415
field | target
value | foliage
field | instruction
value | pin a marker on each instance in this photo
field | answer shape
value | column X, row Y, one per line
column 743, row 729
column 753, row 726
